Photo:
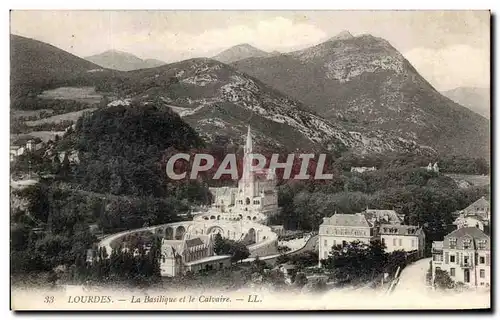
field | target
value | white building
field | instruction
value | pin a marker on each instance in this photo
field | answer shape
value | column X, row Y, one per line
column 431, row 167
column 371, row 224
column 193, row 255
column 255, row 198
column 362, row 169
column 403, row 237
column 340, row 229
column 475, row 215
column 465, row 255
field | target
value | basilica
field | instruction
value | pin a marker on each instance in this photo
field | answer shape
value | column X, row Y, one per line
column 255, row 198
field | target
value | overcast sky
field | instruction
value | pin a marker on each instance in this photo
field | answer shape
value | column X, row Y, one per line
column 450, row 49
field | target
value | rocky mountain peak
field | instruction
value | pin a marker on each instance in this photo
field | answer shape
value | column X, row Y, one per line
column 240, row 52
column 343, row 35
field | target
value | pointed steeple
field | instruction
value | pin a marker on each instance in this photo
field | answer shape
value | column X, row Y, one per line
column 248, row 144
column 247, row 177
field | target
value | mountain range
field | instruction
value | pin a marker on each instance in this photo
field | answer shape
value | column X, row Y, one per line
column 349, row 93
column 123, row 61
column 476, row 99
column 368, row 85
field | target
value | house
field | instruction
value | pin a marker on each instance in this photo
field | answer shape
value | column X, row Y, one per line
column 16, row 151
column 289, row 271
column 341, row 229
column 431, row 167
column 403, row 237
column 465, row 255
column 190, row 255
column 362, row 169
column 371, row 224
column 475, row 215
column 30, row 145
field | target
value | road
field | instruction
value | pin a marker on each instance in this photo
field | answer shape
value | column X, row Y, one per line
column 412, row 278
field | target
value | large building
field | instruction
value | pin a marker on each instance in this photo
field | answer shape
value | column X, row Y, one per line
column 255, row 198
column 341, row 229
column 371, row 224
column 190, row 255
column 465, row 255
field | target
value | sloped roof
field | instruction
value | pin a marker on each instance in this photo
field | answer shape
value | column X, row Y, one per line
column 194, row 242
column 467, row 231
column 472, row 233
column 402, row 230
column 481, row 202
column 347, row 220
column 179, row 246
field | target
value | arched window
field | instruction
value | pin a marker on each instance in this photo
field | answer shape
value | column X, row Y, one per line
column 248, row 201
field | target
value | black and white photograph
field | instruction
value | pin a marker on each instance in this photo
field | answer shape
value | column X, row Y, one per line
column 250, row 160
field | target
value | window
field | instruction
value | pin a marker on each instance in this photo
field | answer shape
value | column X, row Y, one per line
column 453, row 243
column 400, row 242
column 326, row 243
column 394, row 242
column 481, row 260
column 482, row 244
column 466, row 244
column 452, row 272
column 334, row 242
column 452, row 259
column 325, row 254
column 413, row 244
column 481, row 273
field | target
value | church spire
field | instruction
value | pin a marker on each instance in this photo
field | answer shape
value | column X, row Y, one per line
column 247, row 178
column 248, row 144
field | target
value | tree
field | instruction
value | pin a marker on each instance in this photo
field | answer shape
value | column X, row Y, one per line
column 258, row 265
column 442, row 280
column 300, row 280
column 52, row 278
column 218, row 244
column 304, row 259
column 56, row 165
column 238, row 252
column 65, row 166
column 356, row 261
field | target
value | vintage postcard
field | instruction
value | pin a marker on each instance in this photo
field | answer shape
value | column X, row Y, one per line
column 250, row 160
